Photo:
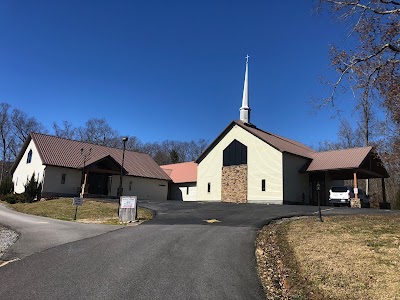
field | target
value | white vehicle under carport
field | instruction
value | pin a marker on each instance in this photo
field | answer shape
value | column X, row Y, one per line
column 341, row 195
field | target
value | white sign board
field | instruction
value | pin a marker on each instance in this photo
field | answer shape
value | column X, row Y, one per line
column 77, row 201
column 355, row 190
column 128, row 201
column 128, row 208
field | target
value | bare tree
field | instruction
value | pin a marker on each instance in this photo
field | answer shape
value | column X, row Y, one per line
column 23, row 125
column 5, row 126
column 99, row 132
column 372, row 69
column 67, row 130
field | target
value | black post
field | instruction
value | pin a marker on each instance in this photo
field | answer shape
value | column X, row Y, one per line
column 319, row 202
column 124, row 139
column 76, row 211
column 136, row 209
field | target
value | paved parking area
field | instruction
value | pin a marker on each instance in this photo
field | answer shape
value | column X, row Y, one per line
column 178, row 255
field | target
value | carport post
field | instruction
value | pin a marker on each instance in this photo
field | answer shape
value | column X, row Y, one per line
column 355, row 185
column 383, row 190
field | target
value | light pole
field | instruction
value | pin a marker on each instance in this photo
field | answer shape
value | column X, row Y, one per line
column 319, row 202
column 124, row 140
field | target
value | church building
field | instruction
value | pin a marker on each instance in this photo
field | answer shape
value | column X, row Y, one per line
column 246, row 164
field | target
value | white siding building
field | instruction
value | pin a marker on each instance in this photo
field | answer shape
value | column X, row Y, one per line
column 63, row 165
column 184, row 181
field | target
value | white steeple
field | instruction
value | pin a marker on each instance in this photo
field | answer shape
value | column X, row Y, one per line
column 245, row 109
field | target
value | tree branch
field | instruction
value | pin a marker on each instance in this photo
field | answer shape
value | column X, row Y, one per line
column 390, row 2
column 366, row 7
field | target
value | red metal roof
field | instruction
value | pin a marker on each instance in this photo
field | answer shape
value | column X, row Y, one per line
column 339, row 159
column 182, row 172
column 62, row 152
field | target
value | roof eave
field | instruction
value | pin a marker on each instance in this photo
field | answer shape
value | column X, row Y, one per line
column 21, row 153
column 215, row 142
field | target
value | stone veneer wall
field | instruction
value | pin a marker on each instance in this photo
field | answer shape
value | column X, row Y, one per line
column 234, row 184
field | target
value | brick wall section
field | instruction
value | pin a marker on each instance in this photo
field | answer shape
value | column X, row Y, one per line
column 234, row 184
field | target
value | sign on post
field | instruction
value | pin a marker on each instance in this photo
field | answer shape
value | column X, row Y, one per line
column 127, row 209
column 77, row 202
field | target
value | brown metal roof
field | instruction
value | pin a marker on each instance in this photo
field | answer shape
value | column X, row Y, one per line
column 62, row 152
column 281, row 143
column 278, row 142
column 339, row 159
column 182, row 172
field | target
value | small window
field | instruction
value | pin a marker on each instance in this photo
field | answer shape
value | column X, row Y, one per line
column 63, row 178
column 130, row 185
column 29, row 158
column 187, row 190
column 263, row 185
column 209, row 187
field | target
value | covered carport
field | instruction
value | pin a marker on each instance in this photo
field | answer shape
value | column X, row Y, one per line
column 345, row 164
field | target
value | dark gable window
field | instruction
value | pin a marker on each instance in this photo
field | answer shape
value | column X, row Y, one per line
column 209, row 187
column 235, row 154
column 29, row 158
column 263, row 185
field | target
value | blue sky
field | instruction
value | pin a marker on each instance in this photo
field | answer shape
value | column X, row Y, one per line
column 169, row 69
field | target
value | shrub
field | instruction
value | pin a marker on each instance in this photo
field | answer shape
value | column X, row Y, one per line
column 14, row 198
column 6, row 186
column 31, row 189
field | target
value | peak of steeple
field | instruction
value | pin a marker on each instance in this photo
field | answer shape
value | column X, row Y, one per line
column 245, row 109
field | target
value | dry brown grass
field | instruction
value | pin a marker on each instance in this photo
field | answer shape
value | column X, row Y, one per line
column 91, row 211
column 345, row 257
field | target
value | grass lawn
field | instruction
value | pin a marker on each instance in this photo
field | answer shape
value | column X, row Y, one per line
column 91, row 211
column 345, row 257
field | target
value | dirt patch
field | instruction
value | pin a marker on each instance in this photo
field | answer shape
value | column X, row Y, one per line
column 345, row 257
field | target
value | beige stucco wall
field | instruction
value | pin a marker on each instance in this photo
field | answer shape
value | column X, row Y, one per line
column 294, row 183
column 143, row 188
column 179, row 191
column 52, row 181
column 263, row 162
column 24, row 171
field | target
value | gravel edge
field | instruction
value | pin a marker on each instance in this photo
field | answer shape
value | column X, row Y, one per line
column 7, row 238
column 271, row 270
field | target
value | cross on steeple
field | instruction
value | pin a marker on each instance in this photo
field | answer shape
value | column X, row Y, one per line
column 247, row 59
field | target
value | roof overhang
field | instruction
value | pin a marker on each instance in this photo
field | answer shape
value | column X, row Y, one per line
column 106, row 164
column 370, row 167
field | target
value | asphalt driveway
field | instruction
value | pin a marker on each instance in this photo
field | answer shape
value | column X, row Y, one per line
column 38, row 233
column 178, row 255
